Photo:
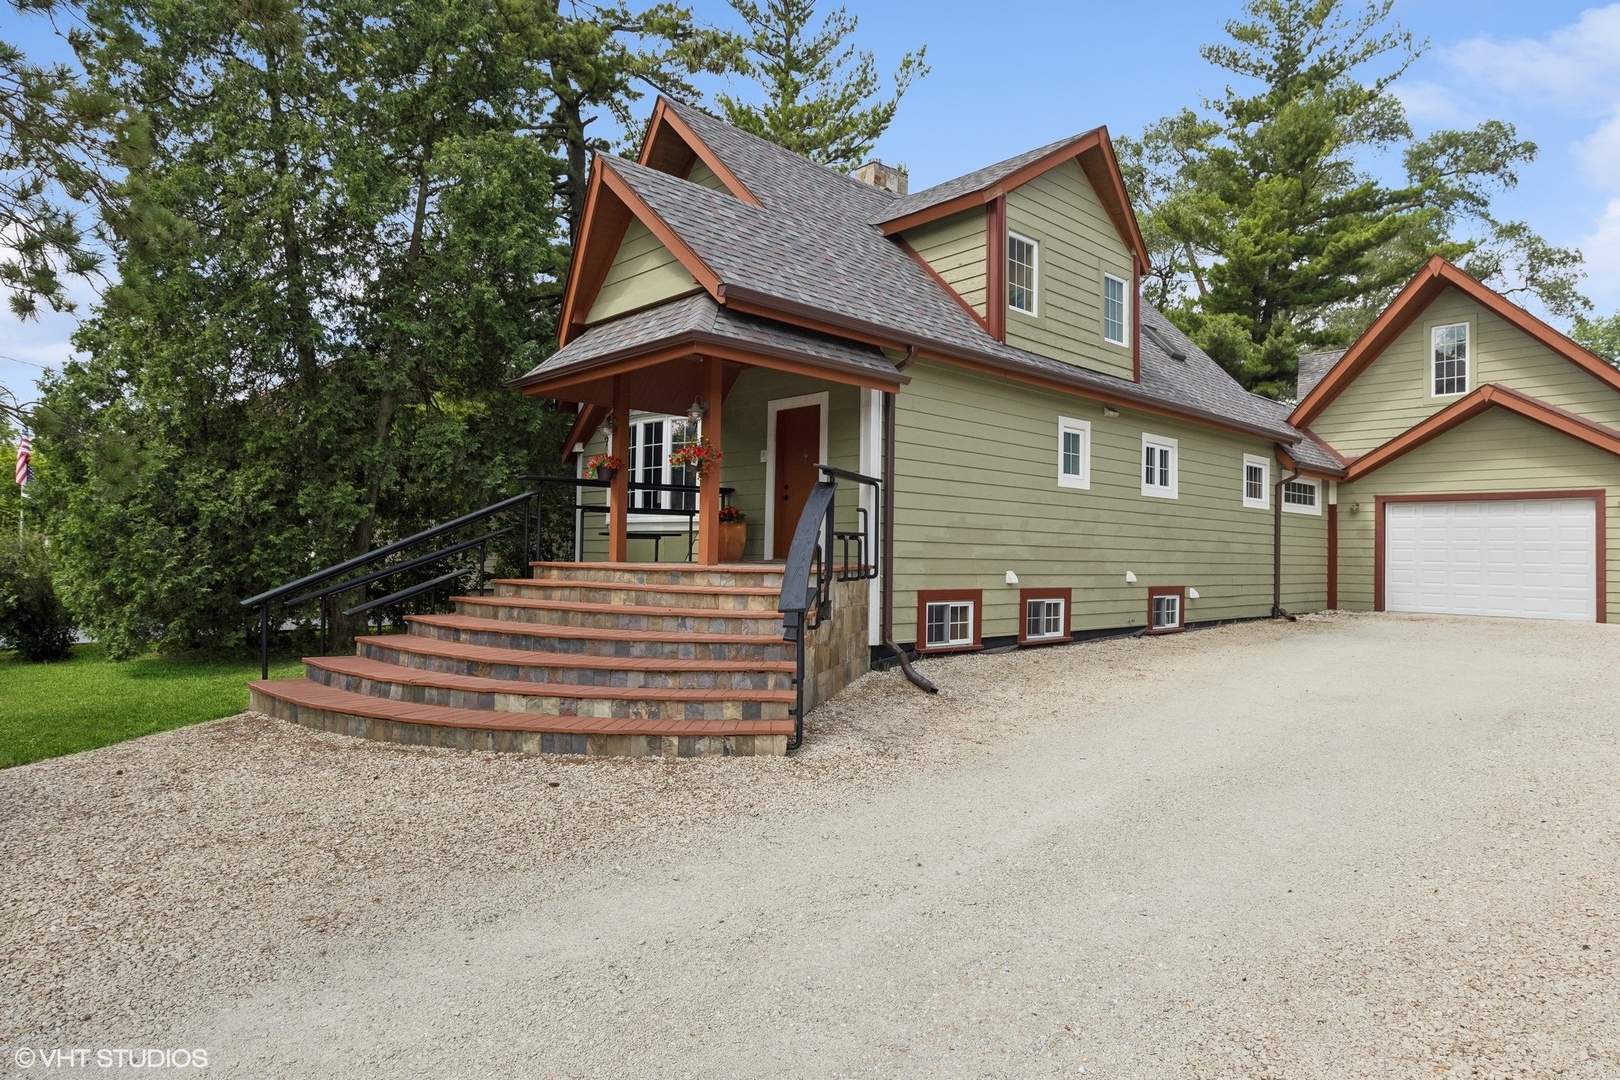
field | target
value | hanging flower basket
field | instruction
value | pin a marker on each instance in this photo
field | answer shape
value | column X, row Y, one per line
column 604, row 467
column 697, row 457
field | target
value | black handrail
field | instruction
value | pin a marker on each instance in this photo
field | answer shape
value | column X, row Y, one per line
column 530, row 501
column 806, row 599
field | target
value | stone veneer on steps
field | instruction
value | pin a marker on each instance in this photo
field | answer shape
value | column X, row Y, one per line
column 627, row 659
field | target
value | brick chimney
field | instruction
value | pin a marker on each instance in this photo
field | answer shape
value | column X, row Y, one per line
column 882, row 176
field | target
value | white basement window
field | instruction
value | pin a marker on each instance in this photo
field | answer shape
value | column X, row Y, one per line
column 1302, row 497
column 1115, row 311
column 1074, row 453
column 1021, row 271
column 1043, row 618
column 1256, row 482
column 949, row 623
column 1159, row 468
column 1164, row 610
column 1450, row 359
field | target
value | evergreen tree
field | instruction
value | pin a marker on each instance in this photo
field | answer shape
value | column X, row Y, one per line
column 822, row 95
column 1268, row 233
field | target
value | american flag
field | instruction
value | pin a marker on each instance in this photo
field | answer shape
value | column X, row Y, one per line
column 25, row 455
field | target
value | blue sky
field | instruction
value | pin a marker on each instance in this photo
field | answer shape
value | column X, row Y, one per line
column 1010, row 76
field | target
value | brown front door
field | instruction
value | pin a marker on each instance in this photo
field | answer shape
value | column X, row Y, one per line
column 798, row 445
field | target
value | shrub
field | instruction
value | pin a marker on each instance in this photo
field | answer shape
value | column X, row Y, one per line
column 32, row 618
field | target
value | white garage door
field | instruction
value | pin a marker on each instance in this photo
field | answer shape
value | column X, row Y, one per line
column 1529, row 558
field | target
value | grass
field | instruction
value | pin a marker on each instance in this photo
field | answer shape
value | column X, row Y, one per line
column 51, row 709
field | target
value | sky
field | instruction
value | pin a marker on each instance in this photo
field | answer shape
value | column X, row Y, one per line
column 1011, row 76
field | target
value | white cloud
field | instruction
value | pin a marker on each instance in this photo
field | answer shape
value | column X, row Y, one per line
column 1600, row 153
column 1431, row 102
column 1602, row 251
column 1573, row 66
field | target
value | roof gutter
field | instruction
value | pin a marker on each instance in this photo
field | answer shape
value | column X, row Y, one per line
column 730, row 293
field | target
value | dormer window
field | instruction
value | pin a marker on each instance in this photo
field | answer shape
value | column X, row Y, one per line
column 1021, row 258
column 1114, row 310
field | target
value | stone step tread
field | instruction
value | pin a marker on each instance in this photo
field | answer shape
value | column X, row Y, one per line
column 592, row 633
column 378, row 671
column 685, row 567
column 489, row 654
column 641, row 586
column 312, row 695
column 534, row 603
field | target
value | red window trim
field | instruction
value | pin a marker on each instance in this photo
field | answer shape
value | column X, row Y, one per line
column 1179, row 591
column 1026, row 595
column 941, row 596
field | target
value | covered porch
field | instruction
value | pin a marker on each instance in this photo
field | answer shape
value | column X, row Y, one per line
column 773, row 401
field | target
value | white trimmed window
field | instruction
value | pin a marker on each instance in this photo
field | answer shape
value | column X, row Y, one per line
column 1115, row 310
column 1074, row 453
column 652, row 440
column 1302, row 497
column 1159, row 468
column 1166, row 611
column 1256, row 482
column 1044, row 619
column 949, row 622
column 1022, row 255
column 1449, row 348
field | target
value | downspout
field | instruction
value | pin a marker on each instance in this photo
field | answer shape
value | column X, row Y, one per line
column 1277, row 610
column 886, row 615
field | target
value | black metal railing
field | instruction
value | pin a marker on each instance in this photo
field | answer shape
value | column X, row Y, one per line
column 333, row 581
column 808, row 576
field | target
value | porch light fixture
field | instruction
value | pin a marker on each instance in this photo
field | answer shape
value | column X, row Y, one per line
column 699, row 407
column 1130, row 578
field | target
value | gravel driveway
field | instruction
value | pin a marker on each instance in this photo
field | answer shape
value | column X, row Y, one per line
column 1351, row 846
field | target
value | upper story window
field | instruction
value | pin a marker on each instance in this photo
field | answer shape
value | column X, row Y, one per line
column 1256, row 482
column 1114, row 309
column 1074, row 453
column 652, row 440
column 1449, row 348
column 1302, row 497
column 1022, row 254
column 1159, row 467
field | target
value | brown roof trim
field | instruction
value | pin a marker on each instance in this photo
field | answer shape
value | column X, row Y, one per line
column 1436, row 276
column 1095, row 152
column 585, row 424
column 663, row 118
column 961, row 302
column 689, row 342
column 1486, row 397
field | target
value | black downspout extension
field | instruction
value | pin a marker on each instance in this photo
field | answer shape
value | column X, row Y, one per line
column 886, row 614
column 1277, row 610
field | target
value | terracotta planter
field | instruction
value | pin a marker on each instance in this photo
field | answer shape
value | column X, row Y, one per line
column 733, row 538
column 606, row 475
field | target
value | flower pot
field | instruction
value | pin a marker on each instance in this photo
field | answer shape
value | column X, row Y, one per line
column 606, row 475
column 733, row 538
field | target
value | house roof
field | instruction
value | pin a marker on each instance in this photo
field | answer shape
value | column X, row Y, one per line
column 980, row 180
column 807, row 258
column 1435, row 278
column 1312, row 367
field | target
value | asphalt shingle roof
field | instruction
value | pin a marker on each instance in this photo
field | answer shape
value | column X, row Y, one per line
column 812, row 248
column 977, row 180
column 1313, row 367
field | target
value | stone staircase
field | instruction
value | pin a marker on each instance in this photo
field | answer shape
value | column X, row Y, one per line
column 605, row 659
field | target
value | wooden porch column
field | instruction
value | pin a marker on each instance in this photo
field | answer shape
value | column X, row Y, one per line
column 709, row 496
column 619, row 493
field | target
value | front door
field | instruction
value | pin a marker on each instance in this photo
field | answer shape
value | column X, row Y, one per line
column 798, row 445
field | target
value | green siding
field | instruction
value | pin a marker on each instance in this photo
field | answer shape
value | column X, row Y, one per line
column 1060, row 211
column 1494, row 452
column 644, row 272
column 955, row 248
column 1392, row 395
column 977, row 495
column 702, row 174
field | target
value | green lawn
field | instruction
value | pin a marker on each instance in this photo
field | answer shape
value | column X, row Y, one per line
column 86, row 702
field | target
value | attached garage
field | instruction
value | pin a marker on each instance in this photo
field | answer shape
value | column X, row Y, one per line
column 1509, row 556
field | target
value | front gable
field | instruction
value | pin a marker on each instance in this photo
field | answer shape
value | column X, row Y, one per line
column 643, row 272
column 1394, row 392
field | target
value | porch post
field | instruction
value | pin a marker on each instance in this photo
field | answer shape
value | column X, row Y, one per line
column 709, row 495
column 619, row 493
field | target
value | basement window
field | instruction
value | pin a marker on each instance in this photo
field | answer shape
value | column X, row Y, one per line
column 949, row 624
column 1164, row 609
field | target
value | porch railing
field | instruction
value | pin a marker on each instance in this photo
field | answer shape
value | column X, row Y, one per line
column 398, row 558
column 812, row 567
